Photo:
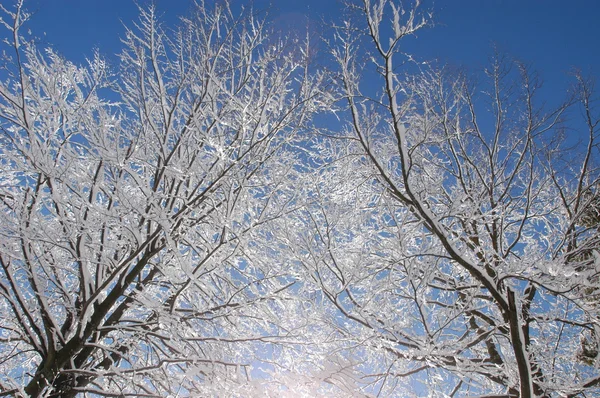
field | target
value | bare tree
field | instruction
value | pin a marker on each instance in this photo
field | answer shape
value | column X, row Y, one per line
column 131, row 203
column 169, row 226
column 458, row 250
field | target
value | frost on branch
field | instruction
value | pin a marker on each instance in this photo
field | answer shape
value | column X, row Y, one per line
column 454, row 234
column 176, row 225
column 129, row 260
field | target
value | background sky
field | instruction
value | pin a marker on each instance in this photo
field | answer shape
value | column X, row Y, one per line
column 553, row 36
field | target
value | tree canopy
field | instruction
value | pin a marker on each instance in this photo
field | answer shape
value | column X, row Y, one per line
column 218, row 214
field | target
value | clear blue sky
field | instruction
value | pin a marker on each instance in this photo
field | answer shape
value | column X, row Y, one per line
column 552, row 35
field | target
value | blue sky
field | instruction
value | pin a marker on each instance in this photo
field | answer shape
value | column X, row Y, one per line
column 554, row 35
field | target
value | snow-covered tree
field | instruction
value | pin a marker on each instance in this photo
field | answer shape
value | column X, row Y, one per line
column 176, row 225
column 133, row 198
column 453, row 225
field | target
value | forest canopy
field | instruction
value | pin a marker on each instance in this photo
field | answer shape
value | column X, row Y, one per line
column 224, row 212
